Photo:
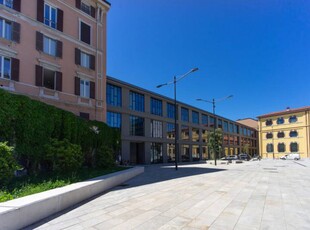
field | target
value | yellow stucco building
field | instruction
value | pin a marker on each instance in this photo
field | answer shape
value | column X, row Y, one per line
column 285, row 132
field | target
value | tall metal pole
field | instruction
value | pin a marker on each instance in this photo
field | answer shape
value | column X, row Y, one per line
column 176, row 155
column 214, row 144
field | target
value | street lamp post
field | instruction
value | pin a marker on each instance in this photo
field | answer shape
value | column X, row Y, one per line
column 213, row 105
column 174, row 82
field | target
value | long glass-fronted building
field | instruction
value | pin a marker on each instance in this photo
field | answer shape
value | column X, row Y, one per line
column 146, row 121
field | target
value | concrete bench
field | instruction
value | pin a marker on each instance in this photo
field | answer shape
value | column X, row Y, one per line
column 24, row 211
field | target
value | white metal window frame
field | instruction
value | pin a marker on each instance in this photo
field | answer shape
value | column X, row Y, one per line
column 7, row 3
column 49, row 46
column 84, row 88
column 2, row 60
column 6, row 30
column 85, row 60
column 49, row 19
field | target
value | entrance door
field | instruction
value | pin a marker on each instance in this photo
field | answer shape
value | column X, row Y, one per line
column 137, row 153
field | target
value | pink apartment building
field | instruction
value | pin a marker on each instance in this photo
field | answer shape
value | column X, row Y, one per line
column 55, row 51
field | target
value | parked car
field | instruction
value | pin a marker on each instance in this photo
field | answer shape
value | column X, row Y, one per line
column 291, row 156
column 244, row 156
column 230, row 157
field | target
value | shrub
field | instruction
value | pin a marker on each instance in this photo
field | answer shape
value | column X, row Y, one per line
column 8, row 163
column 63, row 155
column 104, row 157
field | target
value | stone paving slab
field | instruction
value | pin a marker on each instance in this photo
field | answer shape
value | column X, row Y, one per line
column 266, row 194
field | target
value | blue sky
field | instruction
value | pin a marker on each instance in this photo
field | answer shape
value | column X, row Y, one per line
column 257, row 50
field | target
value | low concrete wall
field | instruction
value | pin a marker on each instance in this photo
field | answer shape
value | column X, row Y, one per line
column 21, row 212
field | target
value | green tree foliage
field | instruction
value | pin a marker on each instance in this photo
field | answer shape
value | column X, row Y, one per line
column 30, row 125
column 104, row 157
column 215, row 142
column 63, row 155
column 8, row 163
column 246, row 148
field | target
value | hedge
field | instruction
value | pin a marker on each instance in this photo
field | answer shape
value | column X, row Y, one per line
column 29, row 126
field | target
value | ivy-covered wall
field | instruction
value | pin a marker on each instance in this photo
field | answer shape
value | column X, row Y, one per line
column 30, row 126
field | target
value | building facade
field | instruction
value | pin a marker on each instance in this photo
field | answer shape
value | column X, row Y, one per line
column 285, row 132
column 55, row 51
column 146, row 120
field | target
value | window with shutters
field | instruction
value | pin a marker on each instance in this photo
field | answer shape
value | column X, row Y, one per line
column 5, row 29
column 85, row 32
column 84, row 88
column 49, row 46
column 7, row 3
column 85, row 8
column 48, row 78
column 50, row 16
column 5, row 67
column 85, row 60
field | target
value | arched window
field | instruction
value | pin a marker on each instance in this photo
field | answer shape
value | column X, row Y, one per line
column 268, row 122
column 294, row 147
column 281, row 134
column 269, row 148
column 269, row 135
column 292, row 119
column 293, row 133
column 281, row 147
column 280, row 120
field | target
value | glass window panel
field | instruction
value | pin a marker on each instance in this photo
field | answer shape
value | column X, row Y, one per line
column 204, row 120
column 156, row 107
column 8, row 30
column 195, row 153
column 136, row 126
column 156, row 153
column 7, row 68
column 195, row 134
column 156, row 129
column 170, row 110
column 171, row 153
column 185, row 153
column 136, row 101
column 281, row 147
column 49, row 79
column 114, row 95
column 195, row 117
column 114, row 119
column 185, row 133
column 294, row 147
column 184, row 114
column 170, row 131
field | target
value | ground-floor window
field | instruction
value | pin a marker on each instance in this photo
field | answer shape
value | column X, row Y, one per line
column 205, row 153
column 171, row 152
column 185, row 153
column 195, row 153
column 156, row 153
column 294, row 147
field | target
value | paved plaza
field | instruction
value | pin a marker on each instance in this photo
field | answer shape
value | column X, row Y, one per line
column 267, row 194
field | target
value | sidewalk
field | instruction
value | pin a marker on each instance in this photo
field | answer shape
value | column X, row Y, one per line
column 267, row 194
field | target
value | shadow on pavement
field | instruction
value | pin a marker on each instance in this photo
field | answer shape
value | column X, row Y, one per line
column 152, row 174
column 165, row 172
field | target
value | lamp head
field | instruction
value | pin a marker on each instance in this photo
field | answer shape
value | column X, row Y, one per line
column 194, row 69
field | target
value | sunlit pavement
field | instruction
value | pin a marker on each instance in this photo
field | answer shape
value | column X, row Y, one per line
column 266, row 194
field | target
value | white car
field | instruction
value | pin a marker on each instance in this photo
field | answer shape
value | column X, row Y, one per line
column 291, row 156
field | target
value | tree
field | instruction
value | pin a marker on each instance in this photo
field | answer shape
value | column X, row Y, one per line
column 215, row 142
column 245, row 148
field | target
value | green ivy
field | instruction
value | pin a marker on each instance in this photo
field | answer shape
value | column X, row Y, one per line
column 30, row 125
